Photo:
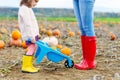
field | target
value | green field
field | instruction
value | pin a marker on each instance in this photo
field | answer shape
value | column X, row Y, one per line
column 67, row 19
column 107, row 20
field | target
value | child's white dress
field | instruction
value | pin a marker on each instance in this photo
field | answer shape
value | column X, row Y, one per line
column 27, row 23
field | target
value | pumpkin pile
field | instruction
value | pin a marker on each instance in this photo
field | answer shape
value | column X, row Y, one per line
column 16, row 41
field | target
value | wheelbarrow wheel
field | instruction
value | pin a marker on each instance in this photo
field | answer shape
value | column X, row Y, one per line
column 67, row 64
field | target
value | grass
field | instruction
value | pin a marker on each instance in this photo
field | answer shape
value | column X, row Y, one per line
column 107, row 20
column 8, row 18
column 67, row 19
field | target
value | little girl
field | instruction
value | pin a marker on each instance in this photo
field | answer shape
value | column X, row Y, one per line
column 29, row 29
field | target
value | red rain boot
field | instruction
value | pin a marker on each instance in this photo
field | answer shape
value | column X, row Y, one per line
column 83, row 62
column 90, row 52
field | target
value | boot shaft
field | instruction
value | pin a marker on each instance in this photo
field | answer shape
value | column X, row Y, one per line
column 90, row 48
column 27, row 65
column 83, row 38
column 27, row 60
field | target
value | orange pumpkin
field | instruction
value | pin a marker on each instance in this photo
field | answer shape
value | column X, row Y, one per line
column 49, row 33
column 15, row 42
column 66, row 51
column 16, row 34
column 56, row 33
column 112, row 36
column 24, row 44
column 2, row 44
column 78, row 33
column 70, row 33
column 59, row 46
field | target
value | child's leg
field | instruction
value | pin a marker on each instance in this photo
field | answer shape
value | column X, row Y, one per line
column 31, row 49
column 27, row 63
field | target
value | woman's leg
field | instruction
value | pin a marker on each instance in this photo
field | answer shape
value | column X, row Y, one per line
column 86, row 8
column 77, row 12
column 78, row 15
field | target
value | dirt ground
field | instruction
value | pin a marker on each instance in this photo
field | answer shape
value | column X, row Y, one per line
column 107, row 57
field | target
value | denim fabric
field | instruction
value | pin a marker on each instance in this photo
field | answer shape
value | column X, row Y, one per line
column 83, row 10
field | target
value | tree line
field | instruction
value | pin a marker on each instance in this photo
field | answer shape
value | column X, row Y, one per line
column 53, row 12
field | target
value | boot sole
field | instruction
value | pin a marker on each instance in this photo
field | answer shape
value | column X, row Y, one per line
column 29, row 72
column 87, row 68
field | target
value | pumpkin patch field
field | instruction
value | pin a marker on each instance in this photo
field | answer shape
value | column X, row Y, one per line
column 12, row 48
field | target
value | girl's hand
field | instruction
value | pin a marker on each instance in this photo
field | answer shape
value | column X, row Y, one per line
column 37, row 37
column 33, row 41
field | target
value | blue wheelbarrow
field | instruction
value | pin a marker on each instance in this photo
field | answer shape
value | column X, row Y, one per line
column 56, row 56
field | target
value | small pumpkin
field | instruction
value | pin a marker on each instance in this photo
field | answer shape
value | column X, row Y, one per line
column 2, row 44
column 56, row 33
column 78, row 33
column 16, row 34
column 49, row 32
column 24, row 44
column 15, row 42
column 59, row 46
column 112, row 36
column 70, row 33
column 66, row 51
